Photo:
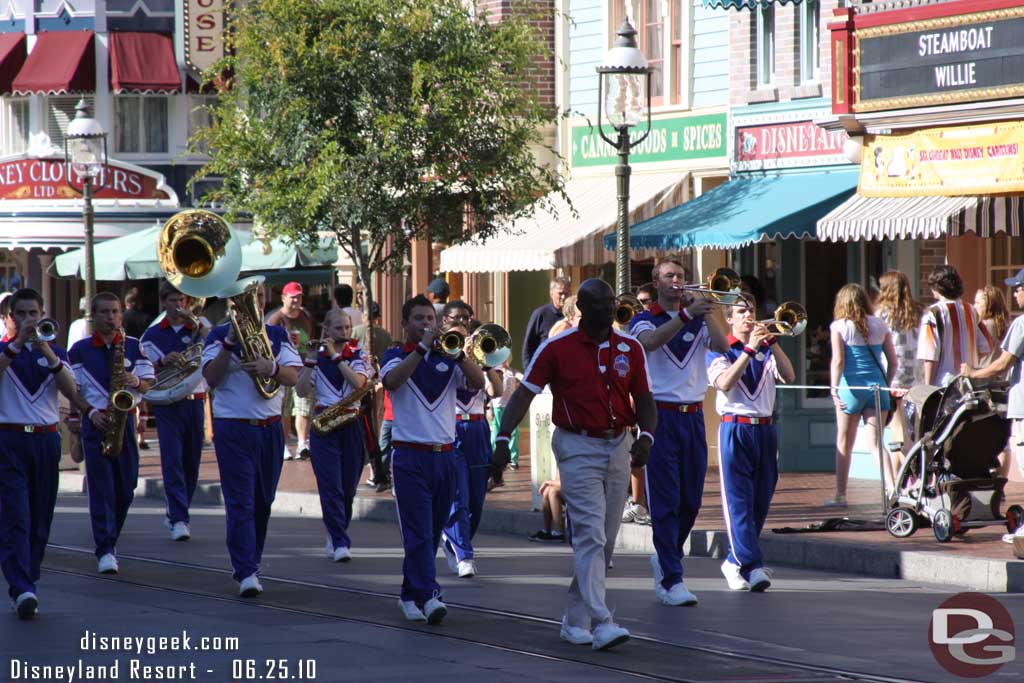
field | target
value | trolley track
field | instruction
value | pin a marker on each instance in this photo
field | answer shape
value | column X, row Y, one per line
column 645, row 658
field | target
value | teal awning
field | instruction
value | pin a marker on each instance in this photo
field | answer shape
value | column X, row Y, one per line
column 746, row 210
column 744, row 4
column 133, row 257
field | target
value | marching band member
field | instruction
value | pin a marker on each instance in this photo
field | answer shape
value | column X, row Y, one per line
column 31, row 373
column 248, row 439
column 676, row 335
column 331, row 375
column 111, row 480
column 748, row 444
column 472, row 460
column 593, row 371
column 179, row 426
column 422, row 385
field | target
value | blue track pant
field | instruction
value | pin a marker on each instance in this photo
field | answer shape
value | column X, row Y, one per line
column 179, row 428
column 111, row 484
column 749, row 466
column 472, row 467
column 337, row 463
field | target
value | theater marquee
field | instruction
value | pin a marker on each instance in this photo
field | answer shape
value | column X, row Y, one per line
column 945, row 60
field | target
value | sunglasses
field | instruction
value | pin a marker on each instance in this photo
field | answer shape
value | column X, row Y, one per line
column 644, row 301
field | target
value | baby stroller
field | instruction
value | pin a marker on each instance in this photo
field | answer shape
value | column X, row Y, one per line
column 948, row 478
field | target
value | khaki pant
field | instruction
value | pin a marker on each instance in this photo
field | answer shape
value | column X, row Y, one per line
column 595, row 477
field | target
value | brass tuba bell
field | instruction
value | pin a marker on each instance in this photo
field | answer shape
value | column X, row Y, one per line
column 198, row 253
column 490, row 345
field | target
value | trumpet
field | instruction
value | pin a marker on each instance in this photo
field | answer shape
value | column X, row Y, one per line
column 46, row 330
column 722, row 287
column 626, row 306
column 490, row 345
column 449, row 343
column 790, row 320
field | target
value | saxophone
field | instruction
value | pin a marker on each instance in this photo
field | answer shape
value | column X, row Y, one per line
column 247, row 321
column 120, row 403
column 342, row 412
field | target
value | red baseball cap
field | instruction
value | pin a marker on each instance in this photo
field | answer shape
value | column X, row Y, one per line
column 292, row 289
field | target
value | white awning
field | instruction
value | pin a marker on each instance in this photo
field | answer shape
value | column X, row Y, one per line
column 891, row 218
column 556, row 239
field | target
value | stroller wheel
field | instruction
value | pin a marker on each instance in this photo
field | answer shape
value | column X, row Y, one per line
column 901, row 522
column 1014, row 518
column 942, row 525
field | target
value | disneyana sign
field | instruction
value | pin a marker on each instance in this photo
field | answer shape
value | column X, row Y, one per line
column 965, row 58
column 32, row 179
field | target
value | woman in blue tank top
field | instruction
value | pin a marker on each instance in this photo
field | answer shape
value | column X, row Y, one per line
column 859, row 342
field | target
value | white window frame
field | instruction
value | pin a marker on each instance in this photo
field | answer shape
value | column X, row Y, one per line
column 764, row 54
column 141, row 124
column 12, row 140
column 810, row 41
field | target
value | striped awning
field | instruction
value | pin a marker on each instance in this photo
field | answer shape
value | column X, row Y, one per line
column 886, row 218
column 744, row 4
column 557, row 238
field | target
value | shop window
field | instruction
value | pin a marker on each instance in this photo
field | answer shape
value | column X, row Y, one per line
column 809, row 38
column 1005, row 258
column 59, row 112
column 15, row 126
column 199, row 116
column 765, row 47
column 140, row 124
column 648, row 18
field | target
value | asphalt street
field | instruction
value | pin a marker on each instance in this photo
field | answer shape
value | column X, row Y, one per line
column 323, row 621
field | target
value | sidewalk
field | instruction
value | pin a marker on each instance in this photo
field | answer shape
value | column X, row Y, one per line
column 979, row 560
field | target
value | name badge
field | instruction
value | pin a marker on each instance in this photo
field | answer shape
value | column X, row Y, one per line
column 759, row 357
column 186, row 339
column 623, row 346
column 441, row 367
column 688, row 337
column 42, row 362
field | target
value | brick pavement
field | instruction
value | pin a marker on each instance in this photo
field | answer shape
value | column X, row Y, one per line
column 797, row 503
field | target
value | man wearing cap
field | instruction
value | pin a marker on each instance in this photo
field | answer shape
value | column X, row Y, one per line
column 297, row 321
column 1011, row 355
column 437, row 293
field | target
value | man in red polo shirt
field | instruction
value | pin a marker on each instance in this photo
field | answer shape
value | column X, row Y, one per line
column 593, row 372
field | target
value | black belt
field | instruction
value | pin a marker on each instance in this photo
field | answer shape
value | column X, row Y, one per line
column 606, row 434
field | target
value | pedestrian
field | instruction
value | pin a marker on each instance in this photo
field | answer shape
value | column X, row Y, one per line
column 994, row 314
column 437, row 293
column 10, row 328
column 136, row 319
column 111, row 480
column 77, row 328
column 950, row 333
column 298, row 322
column 544, row 317
column 180, row 426
column 647, row 295
column 859, row 341
column 676, row 332
column 422, row 381
column 331, row 373
column 248, row 439
column 344, row 295
column 552, row 506
column 748, row 444
column 570, row 317
column 1009, row 359
column 510, row 380
column 598, row 378
column 382, row 341
column 29, row 448
column 472, row 458
column 901, row 313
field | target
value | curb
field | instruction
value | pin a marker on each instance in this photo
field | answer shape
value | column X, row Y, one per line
column 988, row 575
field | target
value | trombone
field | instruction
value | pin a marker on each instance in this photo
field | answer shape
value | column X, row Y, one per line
column 790, row 320
column 722, row 287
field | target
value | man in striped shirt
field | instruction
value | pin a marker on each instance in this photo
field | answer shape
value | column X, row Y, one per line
column 951, row 333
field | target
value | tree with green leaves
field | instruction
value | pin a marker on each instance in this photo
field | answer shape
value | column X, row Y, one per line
column 378, row 121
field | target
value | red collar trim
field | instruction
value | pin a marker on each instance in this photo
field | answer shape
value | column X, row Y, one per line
column 733, row 341
column 656, row 309
column 408, row 347
column 166, row 324
column 97, row 340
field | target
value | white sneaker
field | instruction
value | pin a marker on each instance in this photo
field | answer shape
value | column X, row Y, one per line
column 658, row 574
column 577, row 635
column 608, row 635
column 329, row 547
column 678, row 595
column 1008, row 538
column 634, row 512
column 288, row 455
column 107, row 564
column 760, row 580
column 467, row 569
column 449, row 554
column 167, row 523
column 342, row 554
column 180, row 532
column 411, row 611
column 435, row 611
column 26, row 605
column 250, row 587
column 732, row 575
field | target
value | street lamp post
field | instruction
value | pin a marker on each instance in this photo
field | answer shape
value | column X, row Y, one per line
column 85, row 157
column 624, row 93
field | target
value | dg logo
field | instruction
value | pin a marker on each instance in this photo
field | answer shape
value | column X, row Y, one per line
column 972, row 635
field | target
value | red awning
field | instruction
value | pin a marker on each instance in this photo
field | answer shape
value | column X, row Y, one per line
column 143, row 63
column 12, row 58
column 60, row 62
